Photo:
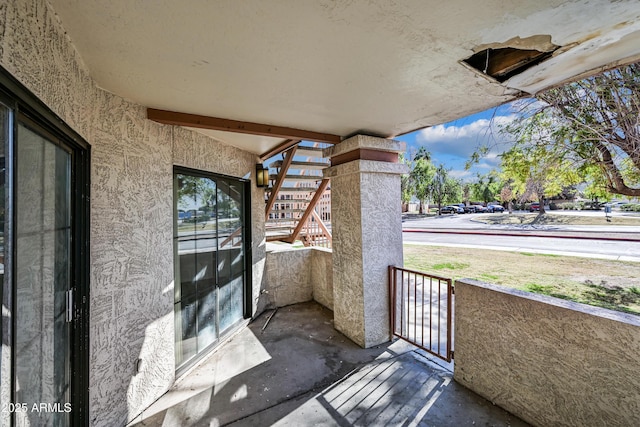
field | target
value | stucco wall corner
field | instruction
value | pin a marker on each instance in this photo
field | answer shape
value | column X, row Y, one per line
column 321, row 276
column 288, row 277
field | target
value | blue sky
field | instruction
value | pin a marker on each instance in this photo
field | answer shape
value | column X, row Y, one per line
column 453, row 143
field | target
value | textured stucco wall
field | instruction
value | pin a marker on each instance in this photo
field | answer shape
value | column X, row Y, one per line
column 367, row 238
column 297, row 275
column 346, row 228
column 287, row 279
column 131, row 299
column 321, row 276
column 549, row 361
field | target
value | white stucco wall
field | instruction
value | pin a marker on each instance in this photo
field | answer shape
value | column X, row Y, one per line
column 367, row 237
column 132, row 160
column 549, row 361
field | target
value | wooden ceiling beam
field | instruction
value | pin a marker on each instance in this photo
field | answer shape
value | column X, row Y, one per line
column 227, row 125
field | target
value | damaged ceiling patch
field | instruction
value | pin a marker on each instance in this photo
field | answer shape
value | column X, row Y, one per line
column 504, row 60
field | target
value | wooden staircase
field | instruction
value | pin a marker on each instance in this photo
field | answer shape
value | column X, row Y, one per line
column 299, row 198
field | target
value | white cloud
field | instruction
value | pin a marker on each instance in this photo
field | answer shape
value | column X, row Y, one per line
column 461, row 174
column 462, row 141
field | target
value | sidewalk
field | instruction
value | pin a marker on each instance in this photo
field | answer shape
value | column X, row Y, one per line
column 469, row 225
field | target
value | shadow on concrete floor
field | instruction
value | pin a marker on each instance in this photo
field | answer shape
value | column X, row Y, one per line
column 302, row 372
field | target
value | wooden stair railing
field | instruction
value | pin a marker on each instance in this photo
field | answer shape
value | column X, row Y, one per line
column 310, row 208
column 287, row 159
column 289, row 215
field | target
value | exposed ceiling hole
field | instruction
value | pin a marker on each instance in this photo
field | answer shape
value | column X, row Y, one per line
column 504, row 60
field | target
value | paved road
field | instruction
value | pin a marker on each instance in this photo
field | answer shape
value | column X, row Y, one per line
column 444, row 234
column 469, row 221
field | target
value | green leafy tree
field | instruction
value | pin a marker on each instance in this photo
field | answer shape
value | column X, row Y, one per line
column 422, row 153
column 487, row 187
column 596, row 188
column 456, row 189
column 421, row 176
column 593, row 123
column 537, row 171
column 444, row 189
column 406, row 184
column 596, row 122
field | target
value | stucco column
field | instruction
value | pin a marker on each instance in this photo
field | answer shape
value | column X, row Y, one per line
column 367, row 233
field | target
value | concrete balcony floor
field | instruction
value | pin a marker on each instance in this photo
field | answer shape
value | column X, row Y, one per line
column 302, row 372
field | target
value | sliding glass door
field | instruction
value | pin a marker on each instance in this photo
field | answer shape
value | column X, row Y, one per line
column 42, row 276
column 43, row 264
column 210, row 268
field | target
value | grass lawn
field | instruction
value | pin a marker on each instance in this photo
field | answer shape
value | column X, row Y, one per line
column 610, row 284
column 555, row 219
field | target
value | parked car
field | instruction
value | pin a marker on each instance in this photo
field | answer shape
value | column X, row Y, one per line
column 535, row 206
column 480, row 208
column 451, row 209
column 469, row 209
column 461, row 205
column 615, row 205
column 495, row 208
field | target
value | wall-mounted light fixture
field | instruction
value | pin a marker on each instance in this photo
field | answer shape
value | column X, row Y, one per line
column 262, row 176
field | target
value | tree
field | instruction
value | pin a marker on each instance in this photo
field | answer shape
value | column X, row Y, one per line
column 443, row 188
column 487, row 187
column 596, row 121
column 422, row 153
column 466, row 193
column 596, row 188
column 200, row 194
column 455, row 190
column 406, row 188
column 421, row 176
column 537, row 171
column 507, row 195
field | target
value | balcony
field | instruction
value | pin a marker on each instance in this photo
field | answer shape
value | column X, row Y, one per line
column 298, row 370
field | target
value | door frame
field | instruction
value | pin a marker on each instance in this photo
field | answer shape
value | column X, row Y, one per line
column 23, row 103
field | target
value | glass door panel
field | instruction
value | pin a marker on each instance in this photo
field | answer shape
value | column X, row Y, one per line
column 42, row 277
column 210, row 261
column 196, row 294
column 230, row 253
column 206, row 247
column 185, row 290
column 5, row 261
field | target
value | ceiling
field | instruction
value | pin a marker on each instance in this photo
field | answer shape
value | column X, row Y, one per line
column 338, row 66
